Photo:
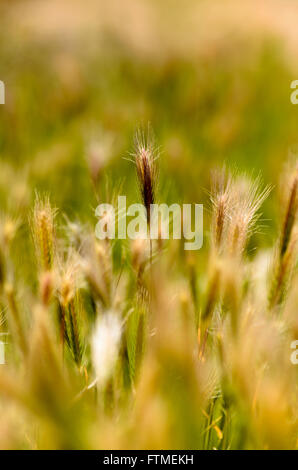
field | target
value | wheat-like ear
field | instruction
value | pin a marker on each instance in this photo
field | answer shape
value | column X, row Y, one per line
column 236, row 200
column 43, row 229
column 281, row 274
column 221, row 204
column 145, row 155
column 247, row 197
column 70, row 307
column 290, row 213
column 286, row 253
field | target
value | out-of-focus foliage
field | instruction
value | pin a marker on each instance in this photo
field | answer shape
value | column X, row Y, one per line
column 195, row 349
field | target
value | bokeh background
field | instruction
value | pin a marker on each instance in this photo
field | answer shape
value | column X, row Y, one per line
column 211, row 76
column 213, row 79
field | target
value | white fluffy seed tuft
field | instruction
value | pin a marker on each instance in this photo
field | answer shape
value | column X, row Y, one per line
column 105, row 346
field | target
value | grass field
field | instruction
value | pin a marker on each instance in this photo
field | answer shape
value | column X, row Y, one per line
column 115, row 343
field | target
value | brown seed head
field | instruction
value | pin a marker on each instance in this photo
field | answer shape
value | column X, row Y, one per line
column 145, row 156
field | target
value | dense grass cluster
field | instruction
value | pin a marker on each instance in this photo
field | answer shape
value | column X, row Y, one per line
column 140, row 343
column 117, row 347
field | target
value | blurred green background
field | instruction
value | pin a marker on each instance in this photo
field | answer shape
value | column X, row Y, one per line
column 212, row 77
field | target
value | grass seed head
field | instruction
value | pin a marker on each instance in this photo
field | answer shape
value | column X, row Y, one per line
column 290, row 216
column 43, row 228
column 247, row 197
column 221, row 204
column 145, row 155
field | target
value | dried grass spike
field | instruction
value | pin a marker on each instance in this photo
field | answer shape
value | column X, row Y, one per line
column 44, row 232
column 145, row 155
